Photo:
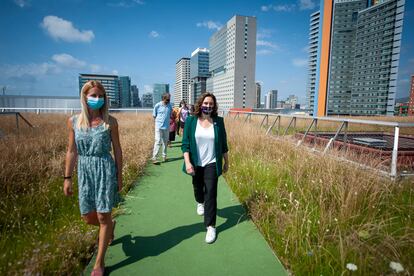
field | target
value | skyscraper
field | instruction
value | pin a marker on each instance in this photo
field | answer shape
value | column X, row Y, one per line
column 258, row 95
column 198, row 73
column 271, row 99
column 158, row 90
column 377, row 55
column 147, row 100
column 233, row 63
column 109, row 82
column 313, row 59
column 135, row 101
column 125, row 91
column 353, row 57
column 411, row 100
column 182, row 80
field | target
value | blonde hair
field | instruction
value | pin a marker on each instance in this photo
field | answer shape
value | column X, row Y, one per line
column 83, row 119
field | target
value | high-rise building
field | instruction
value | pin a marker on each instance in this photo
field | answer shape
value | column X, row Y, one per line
column 354, row 50
column 135, row 101
column 377, row 54
column 158, row 90
column 147, row 100
column 125, row 91
column 110, row 83
column 292, row 100
column 198, row 73
column 182, row 80
column 271, row 99
column 258, row 95
column 411, row 100
column 313, row 59
column 233, row 63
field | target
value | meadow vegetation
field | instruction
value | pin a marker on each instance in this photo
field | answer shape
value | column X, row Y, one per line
column 319, row 214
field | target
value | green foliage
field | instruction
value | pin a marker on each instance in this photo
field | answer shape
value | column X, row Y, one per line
column 318, row 214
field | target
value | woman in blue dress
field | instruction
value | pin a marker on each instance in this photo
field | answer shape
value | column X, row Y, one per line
column 92, row 133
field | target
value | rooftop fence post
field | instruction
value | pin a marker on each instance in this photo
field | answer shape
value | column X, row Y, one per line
column 395, row 153
column 17, row 122
column 278, row 124
column 270, row 128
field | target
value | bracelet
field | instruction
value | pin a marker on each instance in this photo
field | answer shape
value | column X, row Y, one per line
column 67, row 177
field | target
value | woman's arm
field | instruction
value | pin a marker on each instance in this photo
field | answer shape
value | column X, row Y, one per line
column 117, row 151
column 70, row 160
column 226, row 162
column 225, row 150
column 185, row 147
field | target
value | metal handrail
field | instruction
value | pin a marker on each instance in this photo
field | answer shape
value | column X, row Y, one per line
column 344, row 127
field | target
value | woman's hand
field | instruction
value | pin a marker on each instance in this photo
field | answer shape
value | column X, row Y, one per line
column 67, row 187
column 225, row 167
column 119, row 184
column 189, row 168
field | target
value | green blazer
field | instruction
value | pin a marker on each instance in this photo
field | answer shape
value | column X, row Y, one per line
column 220, row 141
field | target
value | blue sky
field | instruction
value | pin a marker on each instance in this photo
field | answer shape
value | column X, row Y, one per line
column 46, row 44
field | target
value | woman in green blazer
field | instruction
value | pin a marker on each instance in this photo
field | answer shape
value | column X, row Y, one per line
column 204, row 147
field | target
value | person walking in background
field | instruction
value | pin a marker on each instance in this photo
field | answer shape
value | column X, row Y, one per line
column 173, row 127
column 178, row 117
column 183, row 114
column 92, row 133
column 161, row 113
column 204, row 146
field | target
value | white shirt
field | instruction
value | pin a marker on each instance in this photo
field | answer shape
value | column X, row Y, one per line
column 205, row 145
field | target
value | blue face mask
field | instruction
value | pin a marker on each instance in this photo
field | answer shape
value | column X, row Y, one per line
column 95, row 103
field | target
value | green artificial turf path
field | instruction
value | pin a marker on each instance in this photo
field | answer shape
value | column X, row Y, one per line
column 161, row 233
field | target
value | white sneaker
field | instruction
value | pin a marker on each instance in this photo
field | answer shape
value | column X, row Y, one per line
column 211, row 234
column 200, row 209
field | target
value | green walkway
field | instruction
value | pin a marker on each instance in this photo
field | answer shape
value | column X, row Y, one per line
column 161, row 234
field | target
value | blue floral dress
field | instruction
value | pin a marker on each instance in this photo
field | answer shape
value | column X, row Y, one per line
column 97, row 180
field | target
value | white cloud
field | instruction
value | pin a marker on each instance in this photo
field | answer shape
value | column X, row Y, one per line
column 306, row 5
column 300, row 62
column 22, row 3
column 153, row 34
column 305, row 49
column 115, row 72
column 284, row 8
column 31, row 69
column 67, row 60
column 263, row 52
column 59, row 28
column 264, row 33
column 126, row 3
column 267, row 44
column 266, row 8
column 211, row 25
column 302, row 4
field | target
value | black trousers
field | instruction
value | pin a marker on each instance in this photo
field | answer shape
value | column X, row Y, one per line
column 205, row 191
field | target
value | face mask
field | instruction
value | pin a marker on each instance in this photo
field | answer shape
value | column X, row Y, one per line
column 95, row 103
column 207, row 109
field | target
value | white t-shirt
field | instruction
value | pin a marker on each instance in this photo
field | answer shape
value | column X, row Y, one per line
column 205, row 145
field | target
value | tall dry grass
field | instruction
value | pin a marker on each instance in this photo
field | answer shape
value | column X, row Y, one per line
column 40, row 229
column 319, row 214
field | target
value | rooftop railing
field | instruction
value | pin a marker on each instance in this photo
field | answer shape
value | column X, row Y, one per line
column 339, row 131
